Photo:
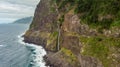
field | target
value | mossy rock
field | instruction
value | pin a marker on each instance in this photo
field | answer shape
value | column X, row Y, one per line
column 101, row 48
column 70, row 57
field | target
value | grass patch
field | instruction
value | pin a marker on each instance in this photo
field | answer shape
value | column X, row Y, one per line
column 100, row 47
column 51, row 41
column 69, row 56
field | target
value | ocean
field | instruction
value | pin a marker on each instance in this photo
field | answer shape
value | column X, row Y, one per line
column 14, row 52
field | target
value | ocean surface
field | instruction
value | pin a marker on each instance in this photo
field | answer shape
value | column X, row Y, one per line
column 14, row 52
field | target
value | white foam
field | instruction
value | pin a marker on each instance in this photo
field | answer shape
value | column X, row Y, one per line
column 20, row 40
column 37, row 53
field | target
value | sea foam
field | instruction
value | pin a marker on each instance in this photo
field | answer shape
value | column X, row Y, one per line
column 37, row 53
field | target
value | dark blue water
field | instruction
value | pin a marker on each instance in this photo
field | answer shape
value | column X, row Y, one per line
column 14, row 53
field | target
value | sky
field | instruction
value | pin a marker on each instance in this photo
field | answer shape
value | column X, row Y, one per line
column 11, row 10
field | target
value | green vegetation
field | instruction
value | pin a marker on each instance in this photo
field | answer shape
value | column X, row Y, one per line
column 96, row 13
column 101, row 13
column 71, row 58
column 52, row 41
column 63, row 3
column 101, row 48
column 61, row 19
column 54, row 34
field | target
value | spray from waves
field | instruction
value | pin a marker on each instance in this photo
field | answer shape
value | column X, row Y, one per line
column 37, row 53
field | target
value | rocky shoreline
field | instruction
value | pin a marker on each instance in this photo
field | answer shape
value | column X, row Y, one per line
column 54, row 59
column 46, row 57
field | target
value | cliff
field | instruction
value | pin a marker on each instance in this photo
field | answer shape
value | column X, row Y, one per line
column 77, row 33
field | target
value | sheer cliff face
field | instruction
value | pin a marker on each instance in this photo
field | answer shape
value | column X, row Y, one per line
column 80, row 45
column 42, row 24
column 43, row 16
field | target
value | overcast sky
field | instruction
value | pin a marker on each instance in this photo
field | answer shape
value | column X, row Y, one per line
column 11, row 10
